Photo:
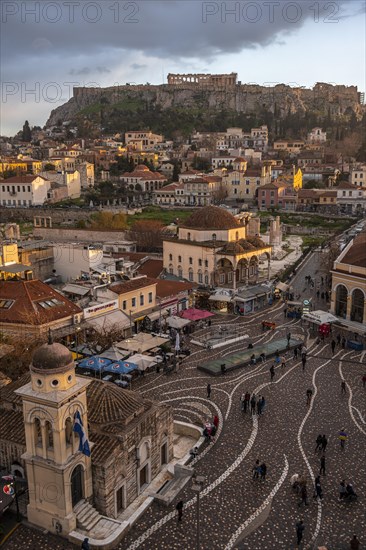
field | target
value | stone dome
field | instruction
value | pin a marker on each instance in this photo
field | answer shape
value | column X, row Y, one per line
column 52, row 357
column 211, row 217
column 232, row 248
column 107, row 403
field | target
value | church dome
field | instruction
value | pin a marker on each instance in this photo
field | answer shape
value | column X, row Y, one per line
column 107, row 403
column 142, row 168
column 232, row 248
column 52, row 357
column 211, row 217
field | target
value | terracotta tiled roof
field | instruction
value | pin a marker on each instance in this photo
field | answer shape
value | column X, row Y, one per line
column 211, row 217
column 27, row 297
column 7, row 392
column 346, row 185
column 103, row 448
column 151, row 268
column 12, row 426
column 167, row 288
column 22, row 179
column 107, row 403
column 356, row 255
column 133, row 284
column 252, row 173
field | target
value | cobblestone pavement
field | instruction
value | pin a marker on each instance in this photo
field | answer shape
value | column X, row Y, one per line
column 235, row 511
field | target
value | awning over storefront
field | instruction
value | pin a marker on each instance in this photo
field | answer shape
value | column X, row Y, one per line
column 220, row 298
column 75, row 289
column 319, row 317
column 155, row 315
column 252, row 293
column 114, row 319
column 282, row 286
column 194, row 314
column 177, row 322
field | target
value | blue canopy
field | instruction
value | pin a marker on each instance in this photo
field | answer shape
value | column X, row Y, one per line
column 94, row 363
column 120, row 367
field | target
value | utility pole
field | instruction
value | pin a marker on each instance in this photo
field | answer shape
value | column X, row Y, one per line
column 197, row 487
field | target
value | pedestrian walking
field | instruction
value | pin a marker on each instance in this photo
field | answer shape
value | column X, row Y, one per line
column 216, row 421
column 304, row 495
column 259, row 405
column 333, row 345
column 288, row 337
column 309, row 394
column 272, row 372
column 300, row 527
column 318, row 293
column 354, row 543
column 85, row 544
column 342, row 489
column 253, row 402
column 208, row 391
column 318, row 488
column 319, row 441
column 242, row 403
column 343, row 342
column 364, row 381
column 179, row 508
column 285, row 312
column 263, row 404
column 342, row 436
column 295, row 352
column 343, row 387
column 263, row 471
column 303, row 361
column 247, row 402
column 338, row 339
column 283, row 362
column 324, row 443
column 322, row 466
column 256, row 470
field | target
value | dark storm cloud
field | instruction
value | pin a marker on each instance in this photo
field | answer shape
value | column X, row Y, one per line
column 166, row 29
column 138, row 66
column 85, row 71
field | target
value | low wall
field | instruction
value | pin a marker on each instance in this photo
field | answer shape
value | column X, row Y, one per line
column 83, row 235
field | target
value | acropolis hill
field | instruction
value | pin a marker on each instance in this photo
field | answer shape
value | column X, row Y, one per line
column 207, row 93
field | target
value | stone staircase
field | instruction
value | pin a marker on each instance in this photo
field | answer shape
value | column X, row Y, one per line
column 86, row 516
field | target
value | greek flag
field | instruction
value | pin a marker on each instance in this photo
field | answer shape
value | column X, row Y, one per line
column 79, row 429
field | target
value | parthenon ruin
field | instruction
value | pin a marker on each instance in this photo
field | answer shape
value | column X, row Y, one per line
column 214, row 81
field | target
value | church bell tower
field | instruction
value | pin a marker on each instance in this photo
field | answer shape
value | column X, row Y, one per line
column 58, row 473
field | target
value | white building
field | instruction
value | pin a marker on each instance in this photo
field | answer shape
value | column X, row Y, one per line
column 72, row 260
column 317, row 136
column 24, row 191
column 71, row 180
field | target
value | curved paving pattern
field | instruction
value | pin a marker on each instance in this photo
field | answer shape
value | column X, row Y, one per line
column 237, row 511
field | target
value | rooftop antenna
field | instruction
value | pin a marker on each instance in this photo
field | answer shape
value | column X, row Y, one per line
column 50, row 339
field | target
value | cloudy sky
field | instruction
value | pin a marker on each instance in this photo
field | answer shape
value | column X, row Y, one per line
column 47, row 47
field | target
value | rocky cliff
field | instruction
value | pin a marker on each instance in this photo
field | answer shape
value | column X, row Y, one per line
column 132, row 103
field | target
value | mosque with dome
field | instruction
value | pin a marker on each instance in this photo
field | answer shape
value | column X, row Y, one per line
column 77, row 481
column 214, row 248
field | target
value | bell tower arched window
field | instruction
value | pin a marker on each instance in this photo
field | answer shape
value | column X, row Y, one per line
column 68, row 431
column 37, row 432
column 49, row 435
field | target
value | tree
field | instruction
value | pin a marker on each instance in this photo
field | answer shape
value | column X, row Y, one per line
column 100, row 340
column 314, row 184
column 176, row 172
column 26, row 133
column 108, row 220
column 219, row 194
column 148, row 235
column 49, row 167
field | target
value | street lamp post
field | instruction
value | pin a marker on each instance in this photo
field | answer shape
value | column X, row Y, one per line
column 197, row 487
